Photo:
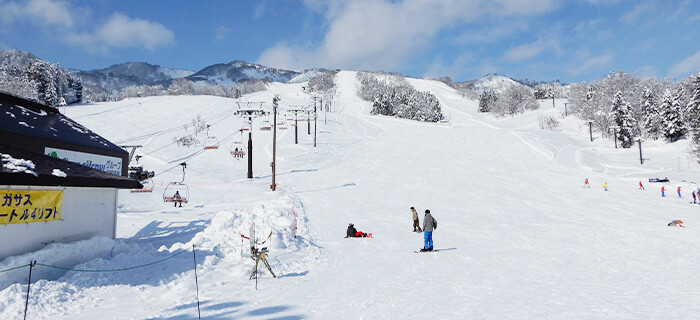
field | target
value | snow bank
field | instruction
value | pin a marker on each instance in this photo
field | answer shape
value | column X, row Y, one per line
column 17, row 165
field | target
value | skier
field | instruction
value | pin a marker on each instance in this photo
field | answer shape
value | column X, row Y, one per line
column 416, row 222
column 663, row 189
column 694, row 197
column 177, row 199
column 429, row 224
column 676, row 223
column 641, row 186
column 679, row 191
column 605, row 186
column 586, row 185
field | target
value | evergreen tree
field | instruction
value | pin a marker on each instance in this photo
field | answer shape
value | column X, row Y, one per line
column 487, row 100
column 693, row 113
column 652, row 115
column 672, row 118
column 622, row 116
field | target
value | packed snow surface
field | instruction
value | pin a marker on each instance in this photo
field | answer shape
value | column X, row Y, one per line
column 519, row 236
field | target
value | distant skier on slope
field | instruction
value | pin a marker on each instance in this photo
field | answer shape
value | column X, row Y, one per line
column 416, row 222
column 694, row 198
column 605, row 186
column 676, row 223
column 679, row 191
column 586, row 185
column 641, row 186
column 663, row 190
column 429, row 224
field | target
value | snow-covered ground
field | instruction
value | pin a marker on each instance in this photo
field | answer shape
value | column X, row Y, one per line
column 519, row 236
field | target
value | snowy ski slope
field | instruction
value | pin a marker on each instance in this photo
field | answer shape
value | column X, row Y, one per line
column 520, row 237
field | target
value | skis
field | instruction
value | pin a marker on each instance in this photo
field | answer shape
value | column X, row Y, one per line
column 434, row 250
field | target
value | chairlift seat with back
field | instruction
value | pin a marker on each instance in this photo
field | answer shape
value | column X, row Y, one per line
column 265, row 126
column 147, row 187
column 177, row 191
column 211, row 143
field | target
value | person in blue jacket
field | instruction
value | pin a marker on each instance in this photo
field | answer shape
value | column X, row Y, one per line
column 429, row 225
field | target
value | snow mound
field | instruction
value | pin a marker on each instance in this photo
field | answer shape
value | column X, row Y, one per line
column 17, row 165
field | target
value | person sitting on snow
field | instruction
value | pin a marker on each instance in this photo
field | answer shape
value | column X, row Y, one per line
column 353, row 233
column 676, row 223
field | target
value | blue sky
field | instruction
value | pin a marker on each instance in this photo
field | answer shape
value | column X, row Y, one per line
column 575, row 40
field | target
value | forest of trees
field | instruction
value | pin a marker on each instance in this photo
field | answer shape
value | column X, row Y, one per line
column 34, row 79
column 639, row 107
column 392, row 95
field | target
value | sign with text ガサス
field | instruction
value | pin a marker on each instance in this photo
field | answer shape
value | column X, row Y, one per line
column 27, row 206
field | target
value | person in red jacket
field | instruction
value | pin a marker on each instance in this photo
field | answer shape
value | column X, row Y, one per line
column 679, row 191
column 641, row 186
column 662, row 191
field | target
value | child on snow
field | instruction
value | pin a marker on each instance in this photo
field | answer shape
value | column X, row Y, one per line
column 353, row 233
column 416, row 222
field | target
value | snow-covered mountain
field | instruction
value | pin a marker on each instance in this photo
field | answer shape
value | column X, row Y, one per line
column 239, row 71
column 119, row 76
column 494, row 82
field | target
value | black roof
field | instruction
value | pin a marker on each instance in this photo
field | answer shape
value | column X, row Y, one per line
column 28, row 118
column 43, row 172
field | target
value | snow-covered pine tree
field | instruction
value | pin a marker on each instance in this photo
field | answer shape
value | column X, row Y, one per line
column 622, row 116
column 487, row 100
column 673, row 127
column 652, row 115
column 693, row 113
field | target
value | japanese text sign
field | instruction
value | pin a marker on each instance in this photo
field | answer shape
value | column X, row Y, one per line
column 27, row 206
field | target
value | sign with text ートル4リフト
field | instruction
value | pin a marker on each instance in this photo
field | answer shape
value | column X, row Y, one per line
column 27, row 206
column 112, row 165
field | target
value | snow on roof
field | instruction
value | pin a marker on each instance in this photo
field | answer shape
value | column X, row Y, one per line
column 17, row 165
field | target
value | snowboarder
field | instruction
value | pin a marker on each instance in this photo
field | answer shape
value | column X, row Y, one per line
column 416, row 222
column 676, row 223
column 679, row 192
column 177, row 199
column 586, row 185
column 351, row 231
column 429, row 224
column 663, row 189
column 641, row 186
column 694, row 198
column 605, row 186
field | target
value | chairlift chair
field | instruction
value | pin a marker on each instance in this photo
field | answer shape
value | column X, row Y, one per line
column 211, row 143
column 265, row 126
column 179, row 188
column 147, row 187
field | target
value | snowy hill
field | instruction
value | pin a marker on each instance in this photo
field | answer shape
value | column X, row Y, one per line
column 239, row 71
column 519, row 236
column 119, row 76
column 492, row 82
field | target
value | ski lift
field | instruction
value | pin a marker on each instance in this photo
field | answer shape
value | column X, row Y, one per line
column 147, row 187
column 178, row 191
column 143, row 176
column 237, row 150
column 211, row 142
column 265, row 126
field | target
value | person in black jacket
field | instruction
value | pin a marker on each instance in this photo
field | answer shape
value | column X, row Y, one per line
column 351, row 231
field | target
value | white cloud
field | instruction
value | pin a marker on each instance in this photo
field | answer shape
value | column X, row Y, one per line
column 221, row 33
column 49, row 12
column 121, row 31
column 689, row 65
column 638, row 10
column 590, row 63
column 439, row 69
column 372, row 34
